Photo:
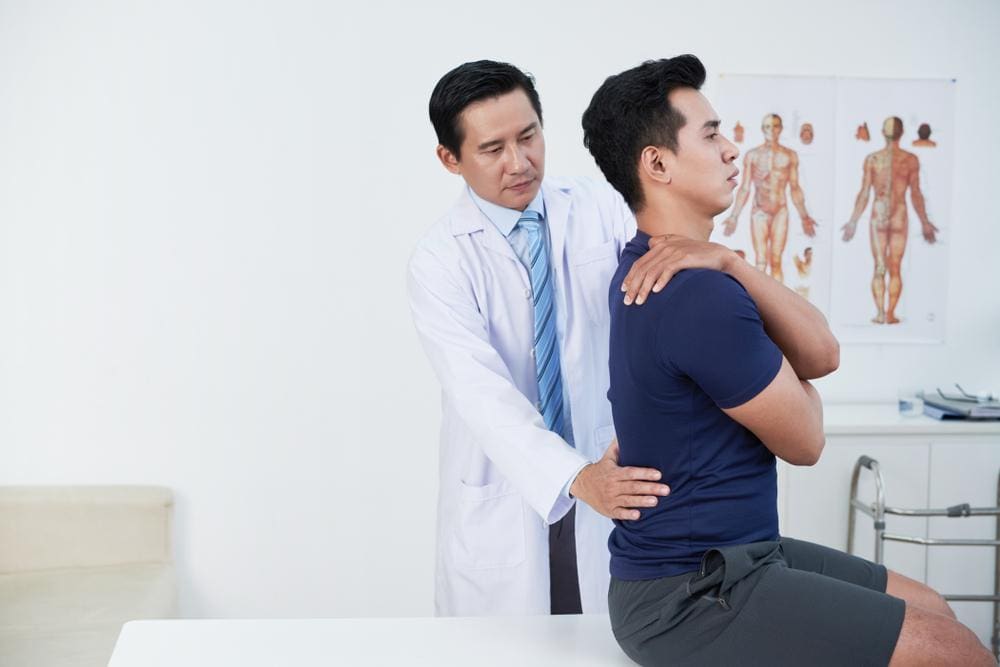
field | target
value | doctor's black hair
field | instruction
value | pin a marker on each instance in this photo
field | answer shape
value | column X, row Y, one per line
column 472, row 82
column 631, row 111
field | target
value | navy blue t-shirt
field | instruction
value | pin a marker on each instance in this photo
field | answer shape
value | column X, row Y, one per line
column 695, row 347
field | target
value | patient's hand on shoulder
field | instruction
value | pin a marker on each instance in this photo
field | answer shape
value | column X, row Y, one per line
column 667, row 255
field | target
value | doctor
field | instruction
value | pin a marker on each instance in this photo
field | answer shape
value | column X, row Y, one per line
column 509, row 294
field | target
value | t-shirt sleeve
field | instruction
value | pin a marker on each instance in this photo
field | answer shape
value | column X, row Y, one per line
column 712, row 333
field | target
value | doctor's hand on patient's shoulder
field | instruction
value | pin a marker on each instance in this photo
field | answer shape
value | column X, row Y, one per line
column 614, row 491
column 667, row 255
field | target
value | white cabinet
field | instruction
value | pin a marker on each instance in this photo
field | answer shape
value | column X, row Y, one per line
column 817, row 497
column 925, row 463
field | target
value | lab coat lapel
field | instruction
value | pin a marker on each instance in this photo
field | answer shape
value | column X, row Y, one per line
column 496, row 242
column 468, row 219
column 557, row 207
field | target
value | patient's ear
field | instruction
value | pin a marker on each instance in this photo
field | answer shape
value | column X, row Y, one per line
column 449, row 160
column 656, row 163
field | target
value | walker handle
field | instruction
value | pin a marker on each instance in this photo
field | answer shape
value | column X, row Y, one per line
column 959, row 510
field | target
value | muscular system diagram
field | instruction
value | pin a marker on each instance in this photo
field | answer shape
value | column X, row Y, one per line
column 890, row 172
column 800, row 171
column 772, row 169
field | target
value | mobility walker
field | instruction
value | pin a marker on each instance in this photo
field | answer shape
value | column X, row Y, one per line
column 878, row 511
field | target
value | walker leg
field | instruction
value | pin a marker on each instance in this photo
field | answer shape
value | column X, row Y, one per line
column 995, row 639
column 878, row 508
column 850, row 506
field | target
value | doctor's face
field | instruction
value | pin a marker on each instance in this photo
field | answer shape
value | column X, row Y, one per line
column 503, row 150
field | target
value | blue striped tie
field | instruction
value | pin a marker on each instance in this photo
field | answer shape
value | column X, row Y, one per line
column 547, row 366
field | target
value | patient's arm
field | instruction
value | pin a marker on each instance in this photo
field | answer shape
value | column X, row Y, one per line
column 787, row 416
column 795, row 325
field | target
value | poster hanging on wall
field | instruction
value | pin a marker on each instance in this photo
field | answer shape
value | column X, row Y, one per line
column 845, row 195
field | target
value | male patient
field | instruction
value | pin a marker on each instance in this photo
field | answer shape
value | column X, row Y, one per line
column 704, row 391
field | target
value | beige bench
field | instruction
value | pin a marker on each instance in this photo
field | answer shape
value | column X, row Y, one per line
column 75, row 564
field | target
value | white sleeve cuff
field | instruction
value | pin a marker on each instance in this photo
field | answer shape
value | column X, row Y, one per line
column 565, row 501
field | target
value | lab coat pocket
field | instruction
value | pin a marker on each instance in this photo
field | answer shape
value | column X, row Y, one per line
column 489, row 530
column 593, row 269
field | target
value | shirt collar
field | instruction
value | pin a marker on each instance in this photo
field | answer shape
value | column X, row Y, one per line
column 505, row 219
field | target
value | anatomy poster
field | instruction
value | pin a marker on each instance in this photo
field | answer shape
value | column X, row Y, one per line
column 894, row 182
column 783, row 211
column 844, row 196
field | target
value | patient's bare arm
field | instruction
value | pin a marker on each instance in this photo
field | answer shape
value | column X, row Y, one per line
column 667, row 255
column 795, row 325
column 787, row 416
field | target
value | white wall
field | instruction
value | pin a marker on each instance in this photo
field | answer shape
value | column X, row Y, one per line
column 205, row 213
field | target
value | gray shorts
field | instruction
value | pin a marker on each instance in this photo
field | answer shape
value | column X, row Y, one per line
column 768, row 603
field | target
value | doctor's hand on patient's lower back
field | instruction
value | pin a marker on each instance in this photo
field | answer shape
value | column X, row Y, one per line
column 667, row 255
column 617, row 492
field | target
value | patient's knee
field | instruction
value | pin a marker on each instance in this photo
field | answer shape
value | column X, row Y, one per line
column 940, row 605
column 917, row 593
column 934, row 639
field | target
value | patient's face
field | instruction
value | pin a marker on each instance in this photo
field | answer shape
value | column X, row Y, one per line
column 702, row 170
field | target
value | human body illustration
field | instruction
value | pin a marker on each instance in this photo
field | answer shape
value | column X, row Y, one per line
column 924, row 134
column 803, row 265
column 772, row 169
column 890, row 172
column 806, row 133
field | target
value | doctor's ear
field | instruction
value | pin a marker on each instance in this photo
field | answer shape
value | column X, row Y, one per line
column 448, row 159
column 656, row 163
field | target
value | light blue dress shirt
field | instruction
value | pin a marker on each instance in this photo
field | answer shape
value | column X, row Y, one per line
column 505, row 220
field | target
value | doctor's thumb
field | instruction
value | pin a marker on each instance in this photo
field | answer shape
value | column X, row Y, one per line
column 611, row 453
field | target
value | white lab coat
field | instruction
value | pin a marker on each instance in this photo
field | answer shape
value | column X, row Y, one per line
column 502, row 473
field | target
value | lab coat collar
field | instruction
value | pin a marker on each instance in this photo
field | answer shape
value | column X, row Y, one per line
column 506, row 219
column 467, row 218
